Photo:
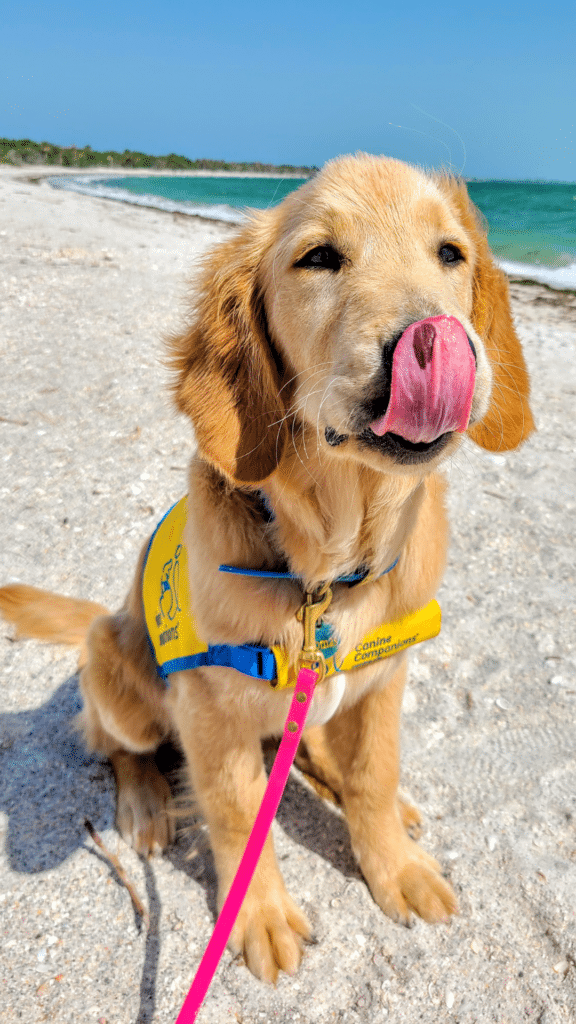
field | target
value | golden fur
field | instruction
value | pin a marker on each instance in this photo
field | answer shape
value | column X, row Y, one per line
column 274, row 354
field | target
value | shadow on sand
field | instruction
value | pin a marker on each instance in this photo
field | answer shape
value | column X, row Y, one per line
column 50, row 785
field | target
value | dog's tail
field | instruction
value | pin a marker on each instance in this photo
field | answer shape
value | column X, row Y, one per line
column 45, row 616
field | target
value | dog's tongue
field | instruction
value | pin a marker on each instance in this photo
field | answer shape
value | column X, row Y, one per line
column 433, row 372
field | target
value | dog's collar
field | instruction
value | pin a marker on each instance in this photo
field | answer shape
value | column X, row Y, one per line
column 354, row 577
column 361, row 575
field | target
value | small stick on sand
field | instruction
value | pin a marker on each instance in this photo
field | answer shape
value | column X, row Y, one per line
column 19, row 423
column 138, row 905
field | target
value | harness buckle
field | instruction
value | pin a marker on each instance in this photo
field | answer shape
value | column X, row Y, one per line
column 309, row 614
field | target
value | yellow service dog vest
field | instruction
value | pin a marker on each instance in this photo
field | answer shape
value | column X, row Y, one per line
column 174, row 638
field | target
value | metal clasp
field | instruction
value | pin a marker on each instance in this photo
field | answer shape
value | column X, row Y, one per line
column 309, row 615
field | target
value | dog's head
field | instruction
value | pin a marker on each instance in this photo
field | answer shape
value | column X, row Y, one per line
column 366, row 309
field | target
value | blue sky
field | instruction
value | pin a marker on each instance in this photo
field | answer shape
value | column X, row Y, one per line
column 489, row 88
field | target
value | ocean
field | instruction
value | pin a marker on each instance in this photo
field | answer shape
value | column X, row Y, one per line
column 532, row 224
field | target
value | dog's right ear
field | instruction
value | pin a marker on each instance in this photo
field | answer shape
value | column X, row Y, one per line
column 227, row 374
column 508, row 420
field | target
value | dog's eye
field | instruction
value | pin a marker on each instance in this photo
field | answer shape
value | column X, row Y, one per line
column 322, row 257
column 450, row 254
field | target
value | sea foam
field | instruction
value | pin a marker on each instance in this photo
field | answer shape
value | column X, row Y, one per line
column 561, row 278
column 94, row 186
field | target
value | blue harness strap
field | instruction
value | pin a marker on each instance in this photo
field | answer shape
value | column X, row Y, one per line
column 258, row 662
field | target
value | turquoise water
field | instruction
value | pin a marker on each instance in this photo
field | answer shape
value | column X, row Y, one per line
column 532, row 225
column 237, row 193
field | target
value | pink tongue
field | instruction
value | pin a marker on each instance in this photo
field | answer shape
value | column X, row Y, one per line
column 433, row 372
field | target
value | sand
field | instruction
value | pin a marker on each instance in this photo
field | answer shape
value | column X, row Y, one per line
column 91, row 456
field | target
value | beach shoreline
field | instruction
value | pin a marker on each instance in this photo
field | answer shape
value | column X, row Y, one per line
column 92, row 455
column 34, row 171
column 90, row 183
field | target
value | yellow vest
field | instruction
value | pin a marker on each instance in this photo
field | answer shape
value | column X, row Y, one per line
column 174, row 638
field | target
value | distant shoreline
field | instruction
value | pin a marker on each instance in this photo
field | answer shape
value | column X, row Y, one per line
column 25, row 152
column 32, row 172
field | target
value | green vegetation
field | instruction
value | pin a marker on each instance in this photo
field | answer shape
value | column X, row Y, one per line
column 23, row 151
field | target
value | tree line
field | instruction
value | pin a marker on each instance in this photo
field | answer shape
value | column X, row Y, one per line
column 24, row 151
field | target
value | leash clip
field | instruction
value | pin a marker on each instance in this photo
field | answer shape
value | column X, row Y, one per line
column 309, row 614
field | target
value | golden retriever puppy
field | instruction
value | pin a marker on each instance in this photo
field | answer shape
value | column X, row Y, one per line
column 339, row 347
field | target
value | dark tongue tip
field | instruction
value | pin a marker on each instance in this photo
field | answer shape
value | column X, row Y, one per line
column 423, row 343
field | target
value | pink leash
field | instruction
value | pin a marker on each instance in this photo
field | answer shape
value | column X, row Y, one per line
column 307, row 679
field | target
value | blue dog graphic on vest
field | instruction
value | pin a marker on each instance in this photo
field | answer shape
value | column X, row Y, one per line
column 169, row 584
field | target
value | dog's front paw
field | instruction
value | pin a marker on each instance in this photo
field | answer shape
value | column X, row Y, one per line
column 406, row 880
column 143, row 815
column 268, row 932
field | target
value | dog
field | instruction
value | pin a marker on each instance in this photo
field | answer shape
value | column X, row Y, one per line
column 340, row 347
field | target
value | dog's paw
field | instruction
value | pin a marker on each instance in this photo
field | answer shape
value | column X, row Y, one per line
column 410, row 882
column 143, row 815
column 269, row 932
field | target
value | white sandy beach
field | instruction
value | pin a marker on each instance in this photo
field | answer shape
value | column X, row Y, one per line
column 91, row 455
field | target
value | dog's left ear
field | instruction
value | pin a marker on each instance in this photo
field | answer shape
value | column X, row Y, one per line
column 508, row 421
